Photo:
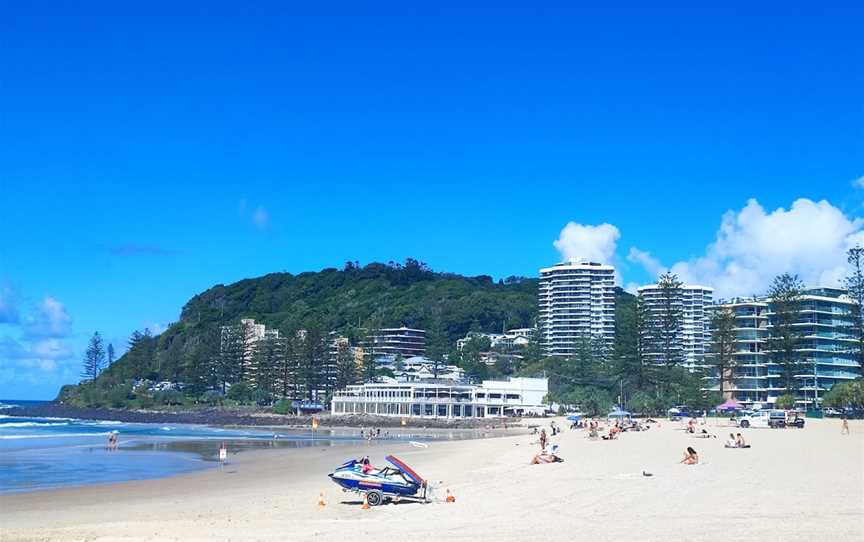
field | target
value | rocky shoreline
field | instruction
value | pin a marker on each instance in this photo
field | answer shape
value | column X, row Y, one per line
column 261, row 418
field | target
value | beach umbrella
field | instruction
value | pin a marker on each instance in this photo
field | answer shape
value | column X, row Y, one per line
column 574, row 418
column 618, row 413
column 730, row 404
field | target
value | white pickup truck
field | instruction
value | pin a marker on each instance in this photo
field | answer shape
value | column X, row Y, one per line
column 770, row 418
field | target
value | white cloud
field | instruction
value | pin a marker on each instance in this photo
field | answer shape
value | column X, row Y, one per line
column 646, row 260
column 859, row 182
column 50, row 319
column 753, row 246
column 260, row 218
column 33, row 361
column 593, row 243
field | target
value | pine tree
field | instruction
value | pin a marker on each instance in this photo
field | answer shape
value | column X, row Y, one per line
column 346, row 366
column 110, row 354
column 94, row 358
column 669, row 320
column 722, row 352
column 785, row 298
column 855, row 285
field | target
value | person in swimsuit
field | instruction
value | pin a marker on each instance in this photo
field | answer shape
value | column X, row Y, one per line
column 690, row 457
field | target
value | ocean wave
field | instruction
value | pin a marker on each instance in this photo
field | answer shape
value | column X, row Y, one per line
column 109, row 422
column 55, row 435
column 29, row 424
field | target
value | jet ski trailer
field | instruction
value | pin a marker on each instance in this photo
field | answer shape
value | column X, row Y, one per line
column 395, row 481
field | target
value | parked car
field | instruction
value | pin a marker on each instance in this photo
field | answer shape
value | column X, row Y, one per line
column 758, row 419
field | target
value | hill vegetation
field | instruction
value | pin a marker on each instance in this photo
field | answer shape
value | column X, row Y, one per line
column 306, row 308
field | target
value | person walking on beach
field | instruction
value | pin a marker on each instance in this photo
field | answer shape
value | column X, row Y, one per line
column 844, row 428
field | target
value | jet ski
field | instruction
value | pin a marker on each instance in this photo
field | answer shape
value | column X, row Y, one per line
column 396, row 480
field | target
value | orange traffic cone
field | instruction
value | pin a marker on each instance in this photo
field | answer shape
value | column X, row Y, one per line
column 450, row 497
column 365, row 502
column 321, row 502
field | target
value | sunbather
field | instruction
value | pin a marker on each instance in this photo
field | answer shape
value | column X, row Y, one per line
column 546, row 456
column 732, row 442
column 739, row 442
column 690, row 457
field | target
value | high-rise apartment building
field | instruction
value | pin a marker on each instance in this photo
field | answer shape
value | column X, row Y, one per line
column 694, row 303
column 826, row 348
column 396, row 341
column 576, row 301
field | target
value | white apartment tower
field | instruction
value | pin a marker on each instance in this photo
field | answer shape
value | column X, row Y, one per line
column 695, row 304
column 577, row 301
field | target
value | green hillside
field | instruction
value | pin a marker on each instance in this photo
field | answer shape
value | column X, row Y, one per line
column 345, row 300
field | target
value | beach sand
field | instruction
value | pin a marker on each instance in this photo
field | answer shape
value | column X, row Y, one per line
column 791, row 485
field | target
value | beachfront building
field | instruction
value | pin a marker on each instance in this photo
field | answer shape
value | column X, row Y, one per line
column 396, row 341
column 491, row 399
column 512, row 338
column 576, row 301
column 417, row 368
column 826, row 348
column 694, row 302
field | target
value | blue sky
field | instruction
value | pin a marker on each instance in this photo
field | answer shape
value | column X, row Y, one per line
column 149, row 152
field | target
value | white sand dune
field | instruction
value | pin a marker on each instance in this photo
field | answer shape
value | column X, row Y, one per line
column 792, row 485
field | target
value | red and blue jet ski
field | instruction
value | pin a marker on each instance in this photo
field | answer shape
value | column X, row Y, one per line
column 396, row 480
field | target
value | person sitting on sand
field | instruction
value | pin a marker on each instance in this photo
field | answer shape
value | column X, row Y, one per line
column 691, row 426
column 739, row 442
column 690, row 457
column 732, row 442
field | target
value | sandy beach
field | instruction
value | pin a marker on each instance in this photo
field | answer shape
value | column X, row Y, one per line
column 791, row 485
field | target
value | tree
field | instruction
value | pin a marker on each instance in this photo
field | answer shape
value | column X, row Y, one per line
column 845, row 395
column 723, row 345
column 668, row 320
column 855, row 285
column 94, row 358
column 110, row 354
column 785, row 298
column 786, row 401
column 346, row 365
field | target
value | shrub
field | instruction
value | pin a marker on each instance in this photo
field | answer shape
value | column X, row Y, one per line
column 283, row 406
column 786, row 401
column 212, row 398
column 262, row 397
column 168, row 397
column 240, row 392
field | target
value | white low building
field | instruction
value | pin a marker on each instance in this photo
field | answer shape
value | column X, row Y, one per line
column 491, row 399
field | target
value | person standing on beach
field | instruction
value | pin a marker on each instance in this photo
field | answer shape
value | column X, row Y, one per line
column 844, row 430
column 542, row 439
column 223, row 454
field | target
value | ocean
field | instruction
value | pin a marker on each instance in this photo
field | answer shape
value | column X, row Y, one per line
column 47, row 453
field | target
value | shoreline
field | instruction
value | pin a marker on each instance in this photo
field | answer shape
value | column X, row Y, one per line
column 251, row 418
